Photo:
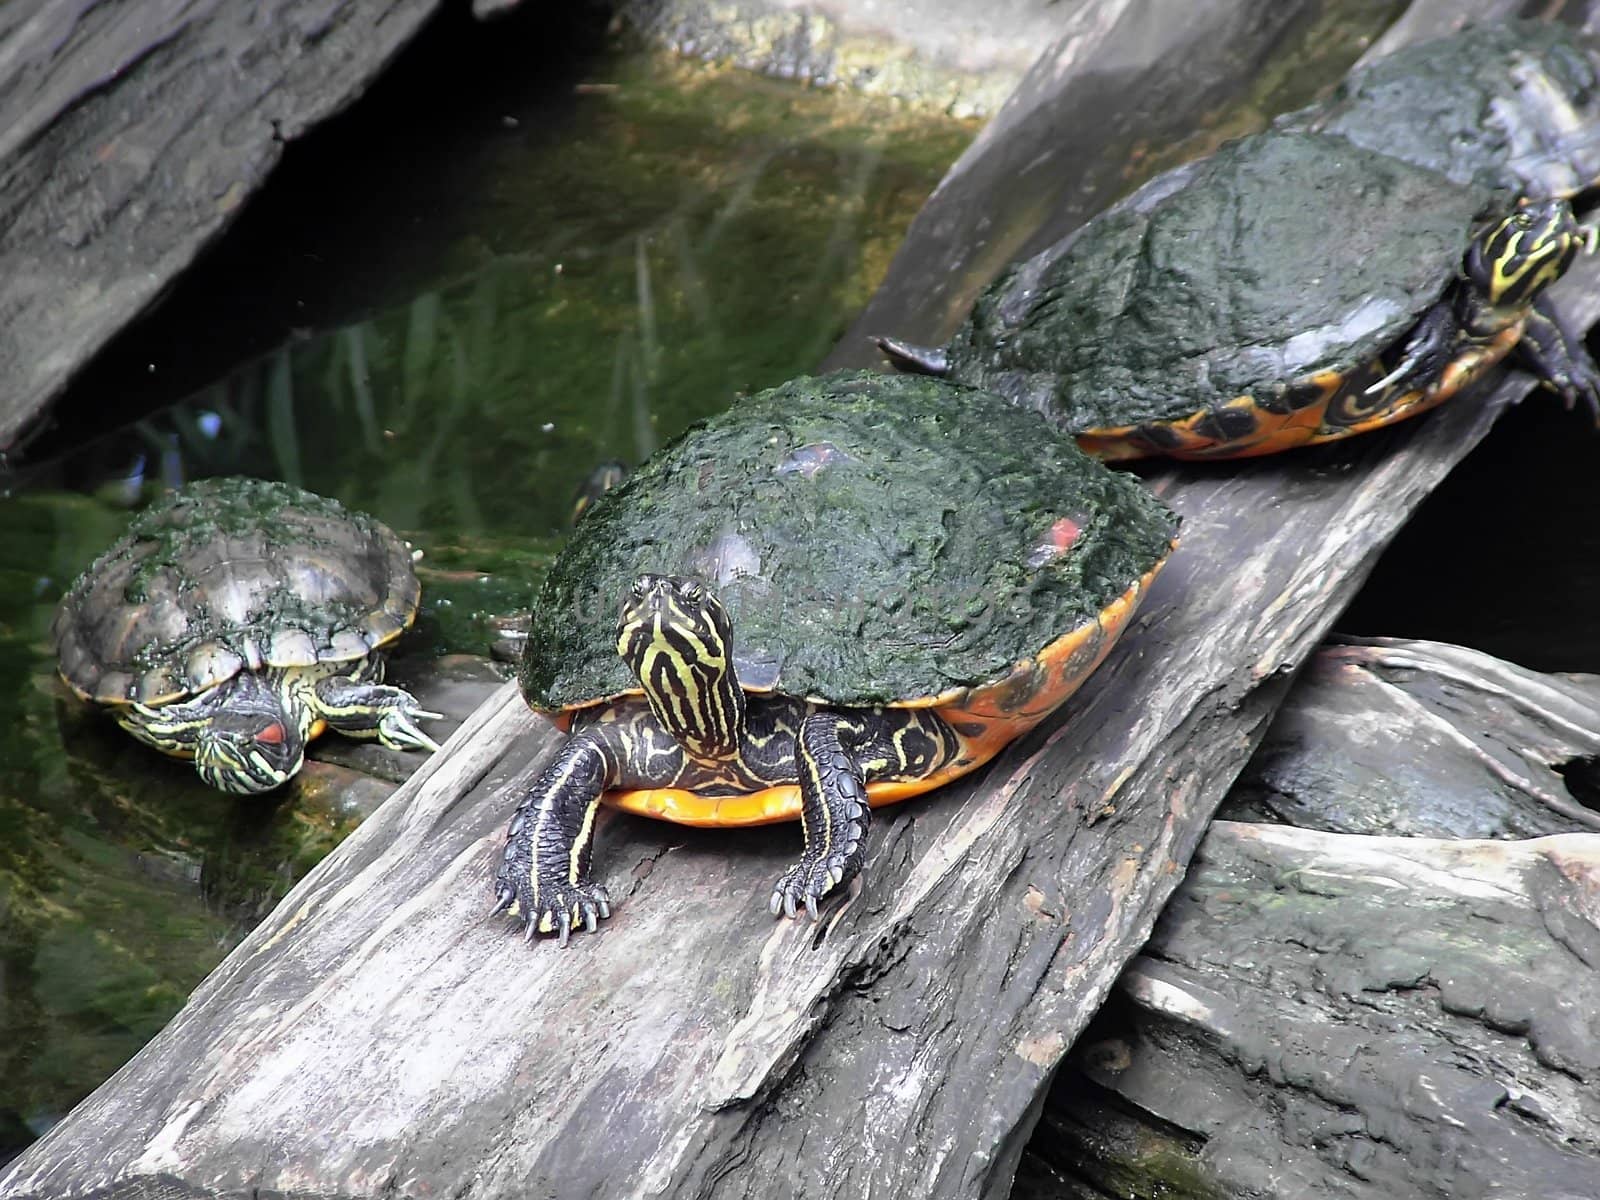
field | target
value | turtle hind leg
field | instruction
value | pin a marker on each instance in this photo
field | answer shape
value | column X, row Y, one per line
column 1433, row 343
column 1559, row 358
column 913, row 359
column 834, row 813
column 544, row 869
column 359, row 709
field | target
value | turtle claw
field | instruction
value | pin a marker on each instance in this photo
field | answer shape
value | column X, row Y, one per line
column 398, row 730
column 553, row 907
column 805, row 884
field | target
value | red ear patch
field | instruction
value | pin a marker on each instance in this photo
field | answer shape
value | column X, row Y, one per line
column 272, row 735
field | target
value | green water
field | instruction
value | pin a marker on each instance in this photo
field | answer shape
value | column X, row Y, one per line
column 599, row 276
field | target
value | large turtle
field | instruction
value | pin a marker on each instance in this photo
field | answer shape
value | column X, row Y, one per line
column 1317, row 280
column 842, row 592
column 235, row 620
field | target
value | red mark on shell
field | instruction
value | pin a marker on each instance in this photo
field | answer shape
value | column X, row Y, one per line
column 1058, row 539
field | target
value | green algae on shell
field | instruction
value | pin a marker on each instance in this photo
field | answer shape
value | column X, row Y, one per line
column 874, row 539
column 1282, row 255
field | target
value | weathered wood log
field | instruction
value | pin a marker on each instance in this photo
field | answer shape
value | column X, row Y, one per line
column 1365, row 1016
column 130, row 135
column 377, row 1036
column 1332, row 1015
column 1422, row 739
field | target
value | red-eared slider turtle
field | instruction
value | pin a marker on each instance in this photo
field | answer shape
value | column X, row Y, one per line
column 235, row 620
column 1300, row 286
column 842, row 592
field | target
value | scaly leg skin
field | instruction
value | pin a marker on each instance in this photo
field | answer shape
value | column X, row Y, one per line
column 374, row 710
column 834, row 814
column 1559, row 358
column 544, row 869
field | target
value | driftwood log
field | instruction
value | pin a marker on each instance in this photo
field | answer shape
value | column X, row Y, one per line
column 1422, row 739
column 131, row 135
column 1337, row 1014
column 377, row 1036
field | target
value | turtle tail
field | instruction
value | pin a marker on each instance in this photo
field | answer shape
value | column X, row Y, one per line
column 915, row 360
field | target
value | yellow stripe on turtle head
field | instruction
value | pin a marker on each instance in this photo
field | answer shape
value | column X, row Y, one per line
column 676, row 637
column 1526, row 252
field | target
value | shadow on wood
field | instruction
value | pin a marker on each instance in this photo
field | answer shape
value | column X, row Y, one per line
column 131, row 135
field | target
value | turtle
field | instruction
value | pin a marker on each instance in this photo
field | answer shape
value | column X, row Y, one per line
column 841, row 592
column 1310, row 282
column 236, row 620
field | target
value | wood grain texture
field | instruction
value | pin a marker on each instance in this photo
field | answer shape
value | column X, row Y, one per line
column 130, row 136
column 378, row 1036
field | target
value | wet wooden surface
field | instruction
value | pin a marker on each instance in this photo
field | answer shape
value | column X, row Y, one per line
column 378, row 1035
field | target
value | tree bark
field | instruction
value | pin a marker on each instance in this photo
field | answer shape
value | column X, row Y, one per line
column 377, row 1036
column 1333, row 1015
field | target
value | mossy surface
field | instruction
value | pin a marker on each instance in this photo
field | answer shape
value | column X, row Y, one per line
column 874, row 539
column 1281, row 256
column 1478, row 107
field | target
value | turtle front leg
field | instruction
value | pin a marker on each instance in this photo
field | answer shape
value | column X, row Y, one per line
column 1559, row 358
column 834, row 814
column 373, row 710
column 544, row 869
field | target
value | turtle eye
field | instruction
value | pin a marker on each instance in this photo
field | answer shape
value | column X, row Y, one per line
column 641, row 585
column 692, row 592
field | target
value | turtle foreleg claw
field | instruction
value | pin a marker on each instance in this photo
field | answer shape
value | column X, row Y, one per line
column 833, row 800
column 374, row 710
column 807, row 882
column 550, row 906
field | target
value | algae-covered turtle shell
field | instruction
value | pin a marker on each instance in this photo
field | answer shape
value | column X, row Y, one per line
column 1513, row 105
column 227, row 575
column 1280, row 257
column 875, row 539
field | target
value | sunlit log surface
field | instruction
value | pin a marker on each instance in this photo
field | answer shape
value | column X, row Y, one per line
column 377, row 1036
column 1322, row 1013
column 130, row 136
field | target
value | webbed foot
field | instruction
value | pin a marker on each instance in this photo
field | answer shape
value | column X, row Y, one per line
column 1578, row 384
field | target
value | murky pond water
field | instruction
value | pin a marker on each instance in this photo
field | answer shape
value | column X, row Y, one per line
column 622, row 257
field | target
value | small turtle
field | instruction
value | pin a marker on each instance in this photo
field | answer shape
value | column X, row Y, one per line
column 1303, row 284
column 237, row 619
column 841, row 592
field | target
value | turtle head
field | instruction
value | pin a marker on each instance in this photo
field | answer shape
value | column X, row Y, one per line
column 675, row 636
column 248, row 752
column 1513, row 261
